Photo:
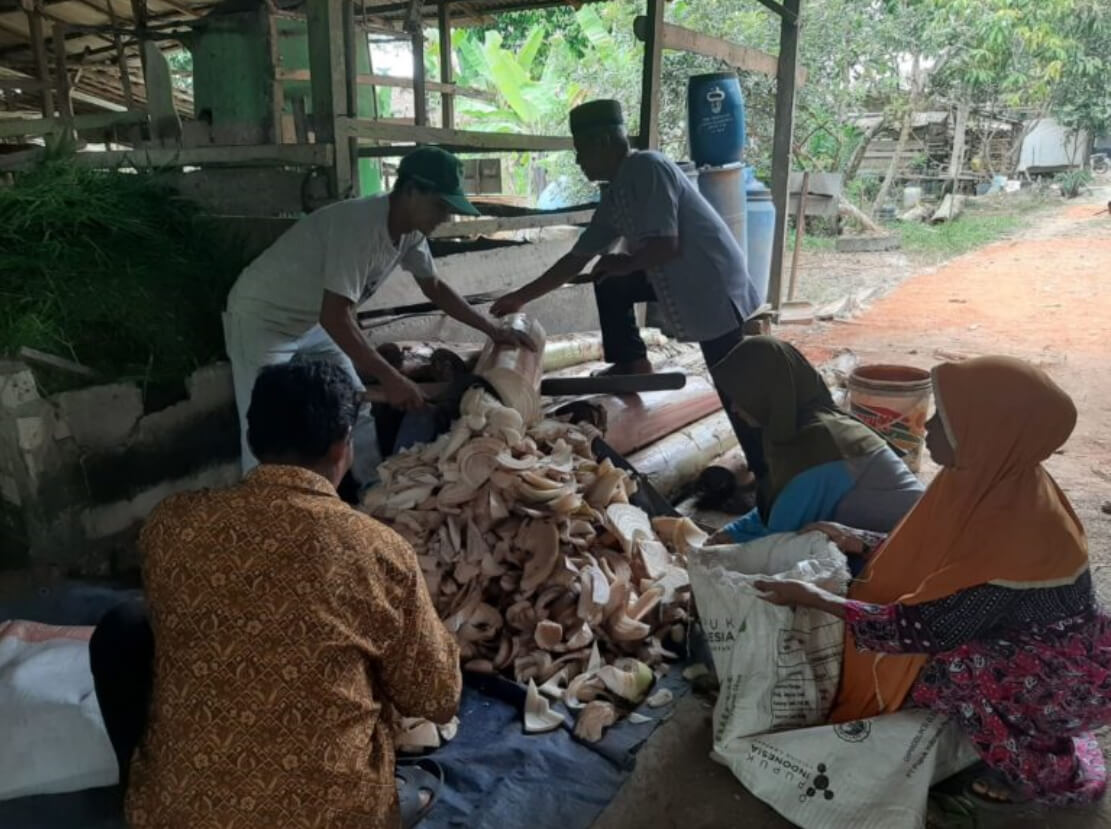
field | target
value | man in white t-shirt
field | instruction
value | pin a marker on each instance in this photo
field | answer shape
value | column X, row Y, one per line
column 298, row 298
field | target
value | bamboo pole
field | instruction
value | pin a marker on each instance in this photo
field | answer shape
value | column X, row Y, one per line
column 121, row 57
column 447, row 71
column 61, row 77
column 676, row 461
column 38, row 47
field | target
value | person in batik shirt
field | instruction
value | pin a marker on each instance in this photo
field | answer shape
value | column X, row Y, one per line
column 288, row 631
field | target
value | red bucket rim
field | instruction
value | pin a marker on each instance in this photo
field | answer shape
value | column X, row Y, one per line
column 890, row 373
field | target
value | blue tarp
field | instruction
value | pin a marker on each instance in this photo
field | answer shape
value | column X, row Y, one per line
column 495, row 774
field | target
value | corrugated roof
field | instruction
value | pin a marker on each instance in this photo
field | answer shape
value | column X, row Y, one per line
column 92, row 26
column 91, row 55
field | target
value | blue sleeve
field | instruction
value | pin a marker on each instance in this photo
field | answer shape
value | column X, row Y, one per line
column 810, row 496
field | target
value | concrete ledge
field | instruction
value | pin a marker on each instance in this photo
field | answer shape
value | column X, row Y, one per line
column 79, row 471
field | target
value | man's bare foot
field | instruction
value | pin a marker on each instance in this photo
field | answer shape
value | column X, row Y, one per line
column 641, row 366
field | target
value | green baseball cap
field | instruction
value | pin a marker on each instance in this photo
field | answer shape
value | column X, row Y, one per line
column 440, row 171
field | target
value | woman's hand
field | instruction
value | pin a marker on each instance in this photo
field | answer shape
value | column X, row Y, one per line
column 845, row 539
column 791, row 593
column 720, row 537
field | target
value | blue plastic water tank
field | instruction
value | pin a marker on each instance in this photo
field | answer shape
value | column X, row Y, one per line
column 724, row 188
column 759, row 232
column 715, row 119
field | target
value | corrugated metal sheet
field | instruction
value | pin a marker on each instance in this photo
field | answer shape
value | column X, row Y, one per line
column 98, row 84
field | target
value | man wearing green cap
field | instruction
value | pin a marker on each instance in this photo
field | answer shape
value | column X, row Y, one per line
column 681, row 255
column 298, row 299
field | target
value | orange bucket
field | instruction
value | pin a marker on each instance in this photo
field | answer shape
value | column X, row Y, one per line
column 895, row 401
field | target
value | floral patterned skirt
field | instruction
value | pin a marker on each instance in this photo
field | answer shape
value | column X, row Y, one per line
column 1029, row 704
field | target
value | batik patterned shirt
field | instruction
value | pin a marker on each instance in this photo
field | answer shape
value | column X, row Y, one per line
column 288, row 628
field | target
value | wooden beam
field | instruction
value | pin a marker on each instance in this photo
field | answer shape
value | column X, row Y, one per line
column 781, row 143
column 650, row 76
column 52, row 361
column 38, row 48
column 447, row 70
column 182, row 9
column 350, row 146
column 34, row 127
column 24, row 85
column 744, row 58
column 372, row 79
column 379, row 131
column 139, row 18
column 121, row 58
column 294, row 155
column 276, row 93
column 328, row 69
column 420, row 88
column 481, row 227
column 800, row 231
column 61, row 78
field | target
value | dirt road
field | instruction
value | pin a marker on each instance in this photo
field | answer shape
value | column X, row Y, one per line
column 1044, row 296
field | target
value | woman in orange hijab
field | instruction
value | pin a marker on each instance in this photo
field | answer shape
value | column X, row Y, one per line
column 980, row 604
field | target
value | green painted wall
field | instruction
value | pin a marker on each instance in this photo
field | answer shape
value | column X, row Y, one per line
column 230, row 77
column 229, row 69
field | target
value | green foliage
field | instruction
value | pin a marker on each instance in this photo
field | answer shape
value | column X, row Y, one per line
column 112, row 270
column 531, row 97
column 1039, row 55
column 181, row 68
column 967, row 232
column 1072, row 182
column 515, row 28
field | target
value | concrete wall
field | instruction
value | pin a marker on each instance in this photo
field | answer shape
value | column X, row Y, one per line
column 80, row 470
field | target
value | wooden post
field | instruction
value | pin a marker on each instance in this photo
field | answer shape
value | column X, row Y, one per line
column 300, row 120
column 374, row 113
column 956, row 160
column 420, row 97
column 121, row 57
column 351, row 64
column 447, row 71
column 38, row 46
column 800, row 230
column 61, row 77
column 269, row 21
column 650, row 76
column 781, row 143
column 328, row 72
column 139, row 16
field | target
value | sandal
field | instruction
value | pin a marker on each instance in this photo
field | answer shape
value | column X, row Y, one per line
column 414, row 778
column 993, row 781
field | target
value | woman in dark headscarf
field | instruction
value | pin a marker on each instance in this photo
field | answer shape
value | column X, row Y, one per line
column 823, row 464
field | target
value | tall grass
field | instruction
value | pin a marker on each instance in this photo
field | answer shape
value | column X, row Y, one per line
column 112, row 270
column 966, row 232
